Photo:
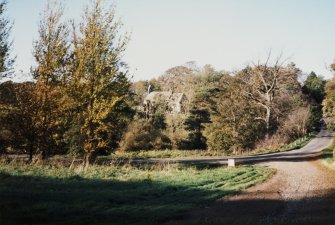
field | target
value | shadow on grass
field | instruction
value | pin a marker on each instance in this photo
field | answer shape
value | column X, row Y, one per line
column 75, row 200
column 34, row 200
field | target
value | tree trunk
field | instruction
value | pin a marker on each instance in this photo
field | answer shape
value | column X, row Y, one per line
column 89, row 159
column 39, row 157
column 2, row 148
column 40, row 151
column 31, row 150
column 267, row 121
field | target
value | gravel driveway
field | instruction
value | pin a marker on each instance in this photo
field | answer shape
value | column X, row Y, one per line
column 302, row 192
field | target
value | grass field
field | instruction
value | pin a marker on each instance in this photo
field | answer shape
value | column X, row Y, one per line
column 117, row 194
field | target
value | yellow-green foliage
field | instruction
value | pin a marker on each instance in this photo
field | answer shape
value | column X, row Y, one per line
column 99, row 84
column 329, row 103
column 146, row 134
column 51, row 54
column 175, row 129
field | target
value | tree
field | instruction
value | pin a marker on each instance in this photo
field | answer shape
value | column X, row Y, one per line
column 237, row 106
column 18, row 114
column 195, row 125
column 99, row 83
column 262, row 83
column 6, row 62
column 24, row 118
column 51, row 52
column 332, row 67
column 314, row 87
column 7, row 101
column 175, row 77
column 329, row 102
column 233, row 126
column 180, row 79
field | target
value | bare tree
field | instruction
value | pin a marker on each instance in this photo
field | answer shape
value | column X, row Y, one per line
column 259, row 84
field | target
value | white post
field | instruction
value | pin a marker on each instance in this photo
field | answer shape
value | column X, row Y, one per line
column 231, row 162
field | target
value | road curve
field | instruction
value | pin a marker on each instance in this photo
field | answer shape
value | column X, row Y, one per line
column 310, row 151
column 302, row 192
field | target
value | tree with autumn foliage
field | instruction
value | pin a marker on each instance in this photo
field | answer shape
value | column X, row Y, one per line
column 329, row 102
column 99, row 82
column 51, row 52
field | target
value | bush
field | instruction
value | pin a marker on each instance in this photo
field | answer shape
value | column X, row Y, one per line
column 175, row 129
column 146, row 134
column 273, row 142
column 296, row 124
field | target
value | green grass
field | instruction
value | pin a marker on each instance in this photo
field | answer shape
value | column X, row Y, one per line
column 147, row 194
column 204, row 153
column 328, row 156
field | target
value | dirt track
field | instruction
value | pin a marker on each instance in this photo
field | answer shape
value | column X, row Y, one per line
column 302, row 192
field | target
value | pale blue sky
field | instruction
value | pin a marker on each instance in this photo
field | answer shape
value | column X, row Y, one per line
column 225, row 33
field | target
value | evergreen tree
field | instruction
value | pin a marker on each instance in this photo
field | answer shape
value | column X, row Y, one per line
column 195, row 125
column 314, row 87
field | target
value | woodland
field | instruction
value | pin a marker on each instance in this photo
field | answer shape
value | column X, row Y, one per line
column 82, row 102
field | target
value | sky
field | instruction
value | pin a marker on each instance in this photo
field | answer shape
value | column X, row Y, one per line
column 228, row 34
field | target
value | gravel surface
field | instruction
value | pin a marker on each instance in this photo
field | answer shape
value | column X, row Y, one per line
column 301, row 192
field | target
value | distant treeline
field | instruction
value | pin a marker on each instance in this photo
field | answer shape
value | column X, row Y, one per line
column 262, row 106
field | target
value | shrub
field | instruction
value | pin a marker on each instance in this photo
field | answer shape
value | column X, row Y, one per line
column 146, row 134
